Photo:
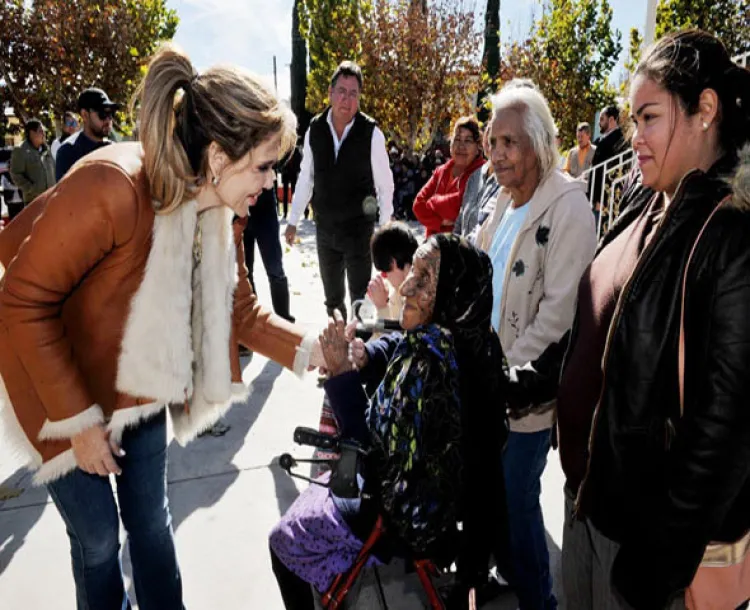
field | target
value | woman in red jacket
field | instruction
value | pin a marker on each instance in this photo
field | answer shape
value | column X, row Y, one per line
column 438, row 203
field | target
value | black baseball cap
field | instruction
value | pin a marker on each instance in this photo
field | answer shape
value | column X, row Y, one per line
column 95, row 99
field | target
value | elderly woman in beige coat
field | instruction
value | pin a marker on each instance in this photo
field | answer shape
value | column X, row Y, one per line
column 540, row 237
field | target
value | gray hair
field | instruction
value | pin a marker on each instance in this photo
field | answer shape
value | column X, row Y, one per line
column 522, row 94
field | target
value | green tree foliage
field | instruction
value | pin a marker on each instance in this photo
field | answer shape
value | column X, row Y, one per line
column 635, row 49
column 570, row 53
column 333, row 30
column 50, row 51
column 728, row 20
column 421, row 61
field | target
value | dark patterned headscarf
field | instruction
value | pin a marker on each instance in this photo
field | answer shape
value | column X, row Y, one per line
column 463, row 305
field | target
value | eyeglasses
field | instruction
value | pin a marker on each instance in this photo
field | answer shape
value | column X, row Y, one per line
column 342, row 94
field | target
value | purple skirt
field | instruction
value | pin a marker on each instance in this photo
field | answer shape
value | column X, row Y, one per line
column 313, row 540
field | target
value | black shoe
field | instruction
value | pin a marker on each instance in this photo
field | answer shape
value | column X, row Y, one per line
column 218, row 429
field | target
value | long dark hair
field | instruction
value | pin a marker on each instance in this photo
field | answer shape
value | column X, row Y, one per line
column 687, row 63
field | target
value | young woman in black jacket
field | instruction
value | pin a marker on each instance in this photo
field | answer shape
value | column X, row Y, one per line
column 652, row 479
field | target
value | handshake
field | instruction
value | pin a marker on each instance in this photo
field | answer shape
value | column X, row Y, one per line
column 338, row 350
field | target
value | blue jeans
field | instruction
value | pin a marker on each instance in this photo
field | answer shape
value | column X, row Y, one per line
column 87, row 506
column 524, row 460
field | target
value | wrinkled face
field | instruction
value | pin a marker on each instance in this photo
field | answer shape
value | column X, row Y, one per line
column 583, row 138
column 344, row 96
column 667, row 142
column 513, row 156
column 396, row 276
column 37, row 137
column 420, row 288
column 464, row 149
column 98, row 122
column 241, row 182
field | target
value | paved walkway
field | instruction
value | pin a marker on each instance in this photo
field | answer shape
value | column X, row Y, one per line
column 225, row 493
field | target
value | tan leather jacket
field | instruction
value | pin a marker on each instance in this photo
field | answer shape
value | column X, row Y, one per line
column 109, row 312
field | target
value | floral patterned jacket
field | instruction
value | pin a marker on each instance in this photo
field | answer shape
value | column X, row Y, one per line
column 415, row 425
column 552, row 250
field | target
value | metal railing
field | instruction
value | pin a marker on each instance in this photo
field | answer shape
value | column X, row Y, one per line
column 606, row 182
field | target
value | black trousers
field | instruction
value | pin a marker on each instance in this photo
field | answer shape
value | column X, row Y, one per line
column 14, row 209
column 295, row 592
column 344, row 253
column 263, row 227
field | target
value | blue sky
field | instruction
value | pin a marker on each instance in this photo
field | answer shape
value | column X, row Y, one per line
column 250, row 32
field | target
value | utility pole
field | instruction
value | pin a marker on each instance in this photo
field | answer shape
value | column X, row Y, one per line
column 650, row 30
column 275, row 79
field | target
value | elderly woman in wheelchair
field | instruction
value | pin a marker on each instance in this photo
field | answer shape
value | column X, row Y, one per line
column 432, row 434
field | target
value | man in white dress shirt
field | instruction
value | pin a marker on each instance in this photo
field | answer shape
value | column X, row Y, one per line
column 346, row 176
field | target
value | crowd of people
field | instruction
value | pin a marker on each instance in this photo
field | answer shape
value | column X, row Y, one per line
column 519, row 332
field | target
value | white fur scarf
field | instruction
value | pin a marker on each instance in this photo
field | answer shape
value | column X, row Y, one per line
column 176, row 340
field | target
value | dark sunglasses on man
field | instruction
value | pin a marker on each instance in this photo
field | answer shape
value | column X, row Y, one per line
column 105, row 114
column 97, row 101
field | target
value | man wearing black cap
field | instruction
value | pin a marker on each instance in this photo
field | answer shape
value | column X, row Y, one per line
column 96, row 110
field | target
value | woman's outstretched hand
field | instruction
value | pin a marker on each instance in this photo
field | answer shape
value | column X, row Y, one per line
column 335, row 346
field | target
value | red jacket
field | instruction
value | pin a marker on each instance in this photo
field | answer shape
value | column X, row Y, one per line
column 440, row 199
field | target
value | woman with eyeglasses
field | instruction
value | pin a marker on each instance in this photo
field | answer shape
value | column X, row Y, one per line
column 125, row 296
column 439, row 201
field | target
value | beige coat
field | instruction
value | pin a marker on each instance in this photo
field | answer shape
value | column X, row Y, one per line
column 554, row 247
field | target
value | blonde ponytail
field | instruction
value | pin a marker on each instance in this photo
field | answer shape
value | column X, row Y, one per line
column 165, row 160
column 224, row 105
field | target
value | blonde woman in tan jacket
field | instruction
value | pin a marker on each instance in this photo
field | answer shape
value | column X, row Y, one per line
column 540, row 238
column 125, row 295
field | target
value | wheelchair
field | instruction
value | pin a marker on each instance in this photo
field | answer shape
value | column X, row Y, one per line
column 344, row 484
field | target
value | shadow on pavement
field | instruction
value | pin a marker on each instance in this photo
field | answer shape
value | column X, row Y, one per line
column 17, row 517
column 211, row 457
column 286, row 490
column 208, row 459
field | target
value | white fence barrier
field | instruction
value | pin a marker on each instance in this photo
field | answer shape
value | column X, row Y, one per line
column 606, row 182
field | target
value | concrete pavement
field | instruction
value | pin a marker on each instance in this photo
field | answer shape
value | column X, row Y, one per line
column 225, row 492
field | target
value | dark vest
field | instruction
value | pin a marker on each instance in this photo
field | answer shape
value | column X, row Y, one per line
column 342, row 184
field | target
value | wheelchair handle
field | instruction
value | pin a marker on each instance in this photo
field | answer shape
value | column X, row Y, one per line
column 313, row 438
column 287, row 462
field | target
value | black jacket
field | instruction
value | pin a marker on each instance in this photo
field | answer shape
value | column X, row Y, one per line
column 607, row 147
column 661, row 485
column 74, row 148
